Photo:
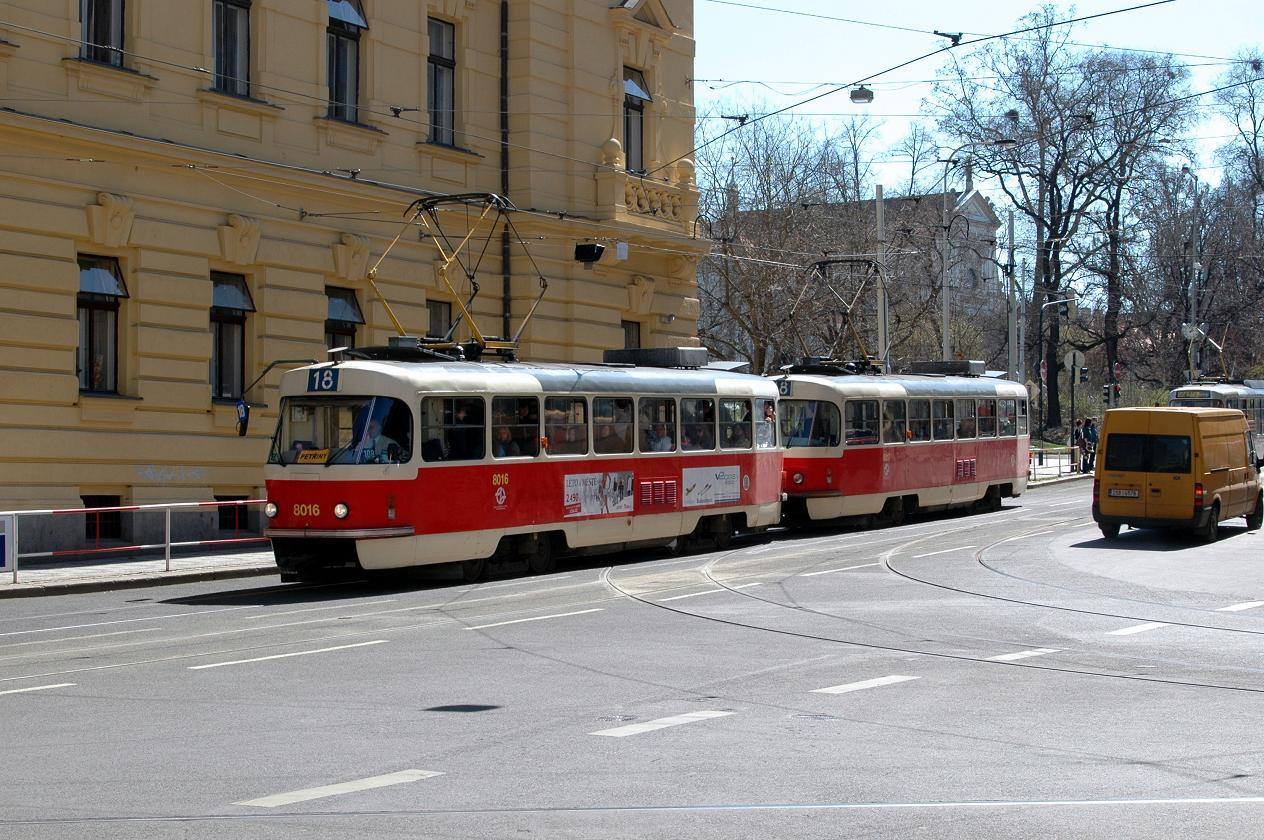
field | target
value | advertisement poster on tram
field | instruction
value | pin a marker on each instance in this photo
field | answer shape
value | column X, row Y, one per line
column 711, row 485
column 593, row 494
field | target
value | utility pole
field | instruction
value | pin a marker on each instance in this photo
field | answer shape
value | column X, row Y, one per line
column 1012, row 372
column 883, row 314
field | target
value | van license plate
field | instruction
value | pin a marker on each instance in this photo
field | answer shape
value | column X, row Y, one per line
column 1124, row 492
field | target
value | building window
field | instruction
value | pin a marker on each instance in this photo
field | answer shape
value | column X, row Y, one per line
column 635, row 95
column 440, row 318
column 343, row 317
column 102, row 31
column 100, row 289
column 230, row 304
column 232, row 46
column 102, row 524
column 631, row 334
column 346, row 22
column 441, row 82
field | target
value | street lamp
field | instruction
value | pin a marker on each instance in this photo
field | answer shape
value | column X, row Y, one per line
column 1004, row 143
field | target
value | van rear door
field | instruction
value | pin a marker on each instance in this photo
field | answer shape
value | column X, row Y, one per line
column 1169, row 491
column 1123, row 468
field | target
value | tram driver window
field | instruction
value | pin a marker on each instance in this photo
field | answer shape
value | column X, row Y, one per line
column 943, row 419
column 566, row 425
column 515, row 427
column 766, row 424
column 1006, row 417
column 1022, row 417
column 894, row 421
column 697, row 428
column 657, row 419
column 965, row 419
column 453, row 428
column 735, row 424
column 862, row 422
column 612, row 425
column 809, row 423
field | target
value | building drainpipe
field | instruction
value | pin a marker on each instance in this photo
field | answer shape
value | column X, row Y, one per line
column 506, row 269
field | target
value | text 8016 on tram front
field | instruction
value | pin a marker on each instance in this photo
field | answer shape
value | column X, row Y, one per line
column 393, row 458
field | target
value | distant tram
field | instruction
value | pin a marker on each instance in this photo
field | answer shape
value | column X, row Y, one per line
column 1246, row 396
column 392, row 458
column 887, row 445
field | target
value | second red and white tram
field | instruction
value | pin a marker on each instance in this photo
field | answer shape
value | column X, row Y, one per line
column 871, row 444
column 1246, row 396
column 393, row 458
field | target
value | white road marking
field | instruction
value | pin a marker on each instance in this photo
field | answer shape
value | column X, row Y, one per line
column 535, row 618
column 402, row 777
column 286, row 655
column 530, row 580
column 125, row 621
column 863, row 684
column 1247, row 605
column 661, row 723
column 944, row 551
column 843, row 569
column 1064, row 504
column 1022, row 654
column 36, row 688
column 74, row 639
column 318, row 609
column 706, row 592
column 1138, row 628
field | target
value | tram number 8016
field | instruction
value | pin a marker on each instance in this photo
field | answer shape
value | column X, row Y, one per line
column 307, row 510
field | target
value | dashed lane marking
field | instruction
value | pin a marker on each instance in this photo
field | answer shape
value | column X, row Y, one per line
column 1246, row 605
column 1138, row 628
column 843, row 569
column 706, row 592
column 534, row 618
column 661, row 723
column 1022, row 654
column 279, row 799
column 36, row 688
column 847, row 688
column 286, row 655
column 943, row 551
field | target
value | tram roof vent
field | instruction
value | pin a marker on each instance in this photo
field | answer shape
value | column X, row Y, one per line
column 660, row 357
column 956, row 367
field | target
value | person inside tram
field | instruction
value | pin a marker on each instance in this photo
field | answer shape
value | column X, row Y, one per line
column 504, row 446
column 377, row 442
column 658, row 439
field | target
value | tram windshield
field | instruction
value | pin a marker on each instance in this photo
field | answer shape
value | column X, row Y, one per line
column 809, row 423
column 342, row 430
column 1192, row 403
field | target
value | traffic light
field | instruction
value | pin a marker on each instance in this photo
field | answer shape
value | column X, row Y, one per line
column 1083, row 375
column 1106, row 395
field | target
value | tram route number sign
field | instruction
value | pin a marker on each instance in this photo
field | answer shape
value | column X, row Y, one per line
column 7, row 547
column 323, row 379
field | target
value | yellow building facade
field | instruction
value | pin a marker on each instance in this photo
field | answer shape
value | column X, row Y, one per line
column 191, row 190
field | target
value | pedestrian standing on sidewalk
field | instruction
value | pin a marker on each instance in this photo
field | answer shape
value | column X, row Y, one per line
column 1077, row 445
column 1090, row 444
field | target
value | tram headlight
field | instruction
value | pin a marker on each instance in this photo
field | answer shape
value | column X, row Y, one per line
column 341, row 511
column 270, row 510
column 797, row 478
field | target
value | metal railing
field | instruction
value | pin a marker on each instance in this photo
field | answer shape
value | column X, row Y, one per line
column 104, row 525
column 1054, row 462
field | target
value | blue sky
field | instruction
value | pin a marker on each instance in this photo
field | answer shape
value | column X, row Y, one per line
column 782, row 58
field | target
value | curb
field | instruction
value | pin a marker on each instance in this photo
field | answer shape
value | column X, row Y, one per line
column 1063, row 480
column 34, row 590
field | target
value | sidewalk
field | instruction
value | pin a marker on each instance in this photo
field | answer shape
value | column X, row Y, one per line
column 94, row 576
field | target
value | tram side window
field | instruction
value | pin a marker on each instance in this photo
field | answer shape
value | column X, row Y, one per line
column 657, row 420
column 965, row 419
column 697, row 428
column 943, row 422
column 766, row 424
column 1007, row 417
column 862, row 422
column 453, row 428
column 809, row 423
column 515, row 426
column 919, row 420
column 612, row 424
column 566, row 425
column 894, row 421
column 735, row 424
column 987, row 418
column 1022, row 417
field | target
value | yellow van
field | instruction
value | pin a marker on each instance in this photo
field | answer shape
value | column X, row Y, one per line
column 1176, row 468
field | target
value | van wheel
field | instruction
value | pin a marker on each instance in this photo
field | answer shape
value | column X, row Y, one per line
column 1110, row 531
column 1212, row 532
column 1256, row 517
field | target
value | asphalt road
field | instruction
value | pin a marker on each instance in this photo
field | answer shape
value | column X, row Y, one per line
column 996, row 675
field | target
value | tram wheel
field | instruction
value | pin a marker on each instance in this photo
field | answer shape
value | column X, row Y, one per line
column 722, row 532
column 895, row 510
column 473, row 570
column 543, row 559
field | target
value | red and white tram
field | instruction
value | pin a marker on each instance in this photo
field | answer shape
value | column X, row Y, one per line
column 1247, row 396
column 392, row 458
column 872, row 444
